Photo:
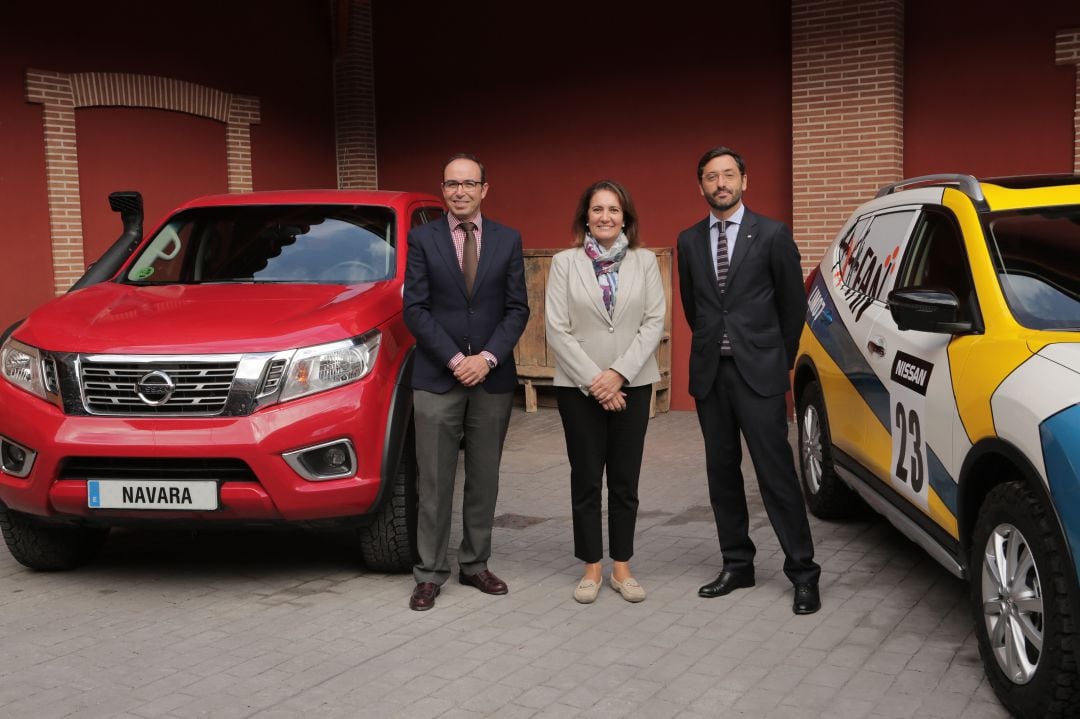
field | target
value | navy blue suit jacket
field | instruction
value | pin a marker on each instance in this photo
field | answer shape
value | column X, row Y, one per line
column 445, row 320
column 763, row 309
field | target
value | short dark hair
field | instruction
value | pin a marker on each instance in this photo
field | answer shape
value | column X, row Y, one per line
column 466, row 156
column 581, row 215
column 719, row 152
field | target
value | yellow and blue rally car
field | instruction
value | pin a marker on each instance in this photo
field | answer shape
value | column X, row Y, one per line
column 938, row 380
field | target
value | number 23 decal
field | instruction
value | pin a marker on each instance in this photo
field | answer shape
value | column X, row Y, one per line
column 907, row 395
column 909, row 464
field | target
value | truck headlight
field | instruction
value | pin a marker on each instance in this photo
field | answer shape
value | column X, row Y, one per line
column 323, row 367
column 21, row 365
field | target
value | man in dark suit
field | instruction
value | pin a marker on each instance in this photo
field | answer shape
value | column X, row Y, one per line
column 466, row 304
column 742, row 291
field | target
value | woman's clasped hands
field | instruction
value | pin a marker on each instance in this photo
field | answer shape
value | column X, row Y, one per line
column 606, row 388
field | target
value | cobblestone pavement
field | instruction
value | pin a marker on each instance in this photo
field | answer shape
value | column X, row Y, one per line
column 289, row 624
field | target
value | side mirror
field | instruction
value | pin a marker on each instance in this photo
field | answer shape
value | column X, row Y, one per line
column 927, row 311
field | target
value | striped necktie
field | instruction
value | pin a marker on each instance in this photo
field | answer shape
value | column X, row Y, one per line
column 721, row 274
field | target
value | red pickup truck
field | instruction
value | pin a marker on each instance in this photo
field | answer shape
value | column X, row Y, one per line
column 244, row 363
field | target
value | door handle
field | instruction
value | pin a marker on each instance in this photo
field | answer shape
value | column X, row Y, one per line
column 876, row 345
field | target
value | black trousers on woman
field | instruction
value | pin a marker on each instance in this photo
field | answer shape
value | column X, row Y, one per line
column 597, row 439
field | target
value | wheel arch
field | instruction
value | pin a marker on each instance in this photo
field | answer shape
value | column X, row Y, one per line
column 398, row 422
column 991, row 462
column 805, row 373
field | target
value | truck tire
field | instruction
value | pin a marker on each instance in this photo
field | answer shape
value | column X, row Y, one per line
column 46, row 546
column 826, row 494
column 1023, row 621
column 388, row 543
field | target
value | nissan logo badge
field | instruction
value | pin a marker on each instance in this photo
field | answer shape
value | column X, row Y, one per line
column 155, row 388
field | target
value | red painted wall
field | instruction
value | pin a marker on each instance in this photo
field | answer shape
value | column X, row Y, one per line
column 982, row 93
column 552, row 101
column 277, row 50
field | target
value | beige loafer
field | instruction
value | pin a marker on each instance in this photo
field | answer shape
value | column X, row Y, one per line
column 586, row 590
column 630, row 590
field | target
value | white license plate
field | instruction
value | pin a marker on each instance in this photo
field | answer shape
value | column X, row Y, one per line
column 151, row 494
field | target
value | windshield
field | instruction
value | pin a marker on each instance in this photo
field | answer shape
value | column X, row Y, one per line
column 1036, row 255
column 326, row 244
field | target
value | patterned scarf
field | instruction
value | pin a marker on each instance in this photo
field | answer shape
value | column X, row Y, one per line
column 606, row 266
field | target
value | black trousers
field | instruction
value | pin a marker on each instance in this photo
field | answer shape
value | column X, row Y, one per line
column 597, row 439
column 730, row 407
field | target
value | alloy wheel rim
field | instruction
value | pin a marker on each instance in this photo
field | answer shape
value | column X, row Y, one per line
column 811, row 448
column 1012, row 603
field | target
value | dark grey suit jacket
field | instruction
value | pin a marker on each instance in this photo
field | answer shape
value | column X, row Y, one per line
column 445, row 320
column 763, row 308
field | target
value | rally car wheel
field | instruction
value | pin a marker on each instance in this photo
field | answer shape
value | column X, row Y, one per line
column 826, row 494
column 388, row 543
column 1020, row 597
column 50, row 546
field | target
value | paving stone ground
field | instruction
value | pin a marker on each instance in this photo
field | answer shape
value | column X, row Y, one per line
column 289, row 624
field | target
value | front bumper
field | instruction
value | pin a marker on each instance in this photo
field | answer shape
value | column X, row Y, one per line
column 357, row 412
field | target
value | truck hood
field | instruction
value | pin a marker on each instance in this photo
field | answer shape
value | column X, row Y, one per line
column 1066, row 354
column 114, row 318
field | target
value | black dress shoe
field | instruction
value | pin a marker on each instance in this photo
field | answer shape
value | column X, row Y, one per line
column 485, row 581
column 726, row 583
column 807, row 599
column 423, row 596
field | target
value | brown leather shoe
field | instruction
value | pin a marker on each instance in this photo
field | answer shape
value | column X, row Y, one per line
column 423, row 596
column 485, row 581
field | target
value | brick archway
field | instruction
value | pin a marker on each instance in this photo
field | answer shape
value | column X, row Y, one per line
column 63, row 93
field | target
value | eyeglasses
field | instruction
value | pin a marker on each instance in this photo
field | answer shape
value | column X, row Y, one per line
column 730, row 176
column 453, row 185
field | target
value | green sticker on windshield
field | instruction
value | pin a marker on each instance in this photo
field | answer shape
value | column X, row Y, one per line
column 142, row 273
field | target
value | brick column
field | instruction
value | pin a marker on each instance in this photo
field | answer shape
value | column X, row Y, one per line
column 243, row 113
column 847, row 61
column 54, row 91
column 1068, row 53
column 354, row 97
column 62, row 94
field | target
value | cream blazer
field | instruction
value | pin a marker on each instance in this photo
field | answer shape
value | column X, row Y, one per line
column 584, row 339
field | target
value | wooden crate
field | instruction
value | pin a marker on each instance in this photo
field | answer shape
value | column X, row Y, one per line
column 536, row 366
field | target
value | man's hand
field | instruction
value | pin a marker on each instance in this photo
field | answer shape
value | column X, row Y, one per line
column 606, row 386
column 472, row 370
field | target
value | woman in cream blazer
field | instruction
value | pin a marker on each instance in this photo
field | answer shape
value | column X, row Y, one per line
column 605, row 316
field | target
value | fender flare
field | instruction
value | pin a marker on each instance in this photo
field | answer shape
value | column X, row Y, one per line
column 1031, row 479
column 803, row 366
column 398, row 420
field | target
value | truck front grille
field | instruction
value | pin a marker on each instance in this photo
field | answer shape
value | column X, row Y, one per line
column 188, row 388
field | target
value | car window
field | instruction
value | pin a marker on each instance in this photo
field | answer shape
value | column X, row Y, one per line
column 418, row 218
column 1036, row 254
column 868, row 254
column 324, row 244
column 433, row 213
column 935, row 259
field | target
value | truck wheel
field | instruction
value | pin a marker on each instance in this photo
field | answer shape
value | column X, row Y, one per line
column 826, row 494
column 388, row 543
column 50, row 546
column 1021, row 592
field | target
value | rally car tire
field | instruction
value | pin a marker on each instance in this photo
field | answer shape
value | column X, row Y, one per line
column 1014, row 531
column 46, row 546
column 388, row 542
column 826, row 494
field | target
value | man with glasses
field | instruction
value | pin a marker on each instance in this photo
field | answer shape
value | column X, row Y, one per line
column 741, row 284
column 466, row 304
